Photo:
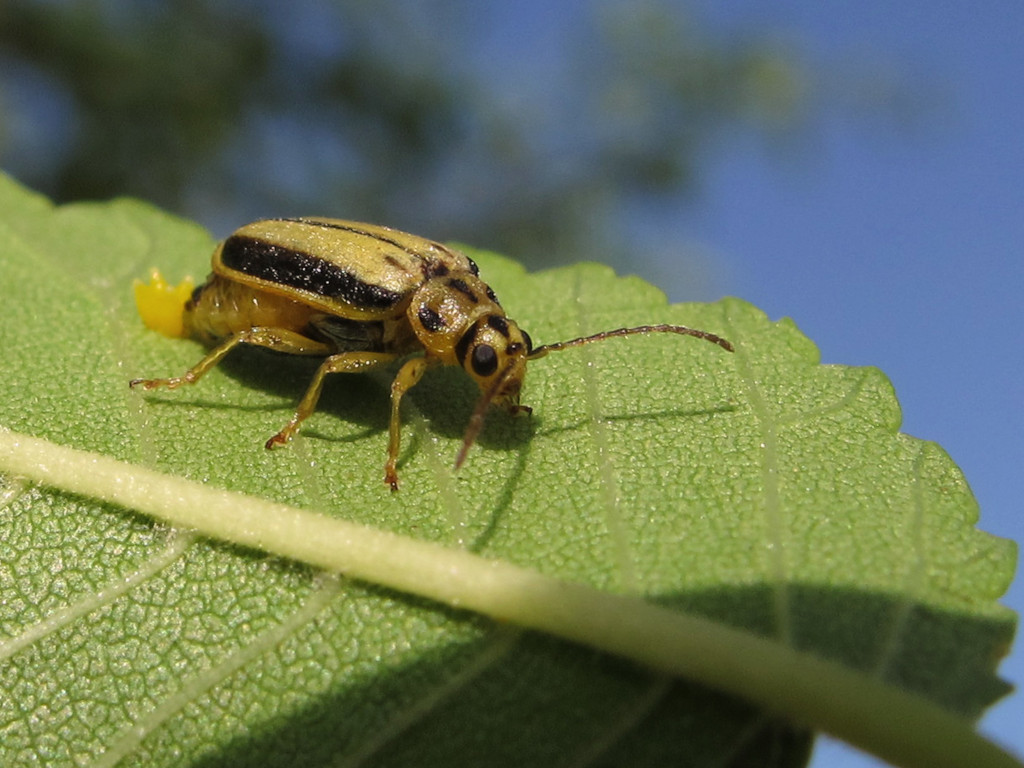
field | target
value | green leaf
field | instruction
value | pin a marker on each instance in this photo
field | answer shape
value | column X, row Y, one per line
column 677, row 493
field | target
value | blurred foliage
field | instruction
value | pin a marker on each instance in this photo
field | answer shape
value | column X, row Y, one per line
column 430, row 116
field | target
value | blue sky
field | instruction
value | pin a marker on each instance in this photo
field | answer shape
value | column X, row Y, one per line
column 893, row 246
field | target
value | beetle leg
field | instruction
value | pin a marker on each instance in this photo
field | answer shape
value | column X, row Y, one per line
column 278, row 339
column 343, row 362
column 406, row 378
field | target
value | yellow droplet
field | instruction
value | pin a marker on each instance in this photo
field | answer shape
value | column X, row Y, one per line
column 161, row 305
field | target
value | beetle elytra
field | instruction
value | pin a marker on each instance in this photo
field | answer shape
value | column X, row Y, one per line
column 360, row 296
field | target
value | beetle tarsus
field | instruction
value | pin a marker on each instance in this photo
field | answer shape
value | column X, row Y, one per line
column 148, row 384
column 279, row 439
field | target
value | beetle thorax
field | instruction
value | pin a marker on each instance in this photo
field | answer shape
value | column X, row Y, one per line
column 458, row 320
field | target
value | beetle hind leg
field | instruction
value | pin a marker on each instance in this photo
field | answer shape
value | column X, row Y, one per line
column 278, row 339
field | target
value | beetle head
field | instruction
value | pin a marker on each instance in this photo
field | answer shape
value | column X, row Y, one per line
column 495, row 356
column 494, row 352
column 458, row 320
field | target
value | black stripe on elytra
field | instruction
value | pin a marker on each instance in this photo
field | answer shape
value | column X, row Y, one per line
column 296, row 269
column 354, row 231
column 391, row 261
column 432, row 267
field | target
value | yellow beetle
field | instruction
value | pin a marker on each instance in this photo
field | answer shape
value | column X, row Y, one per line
column 362, row 296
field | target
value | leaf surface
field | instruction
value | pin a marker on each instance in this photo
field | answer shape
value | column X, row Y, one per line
column 760, row 489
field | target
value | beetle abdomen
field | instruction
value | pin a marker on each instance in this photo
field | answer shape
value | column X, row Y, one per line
column 221, row 308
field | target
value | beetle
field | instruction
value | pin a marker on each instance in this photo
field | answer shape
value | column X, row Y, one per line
column 360, row 296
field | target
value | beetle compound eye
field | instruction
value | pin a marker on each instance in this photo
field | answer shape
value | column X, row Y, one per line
column 485, row 360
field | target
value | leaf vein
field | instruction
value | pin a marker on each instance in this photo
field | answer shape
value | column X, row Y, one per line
column 175, row 547
column 135, row 733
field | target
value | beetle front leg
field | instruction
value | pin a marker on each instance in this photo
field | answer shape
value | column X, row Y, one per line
column 343, row 362
column 406, row 378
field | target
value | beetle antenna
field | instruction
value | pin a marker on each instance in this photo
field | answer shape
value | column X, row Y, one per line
column 663, row 328
column 476, row 421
